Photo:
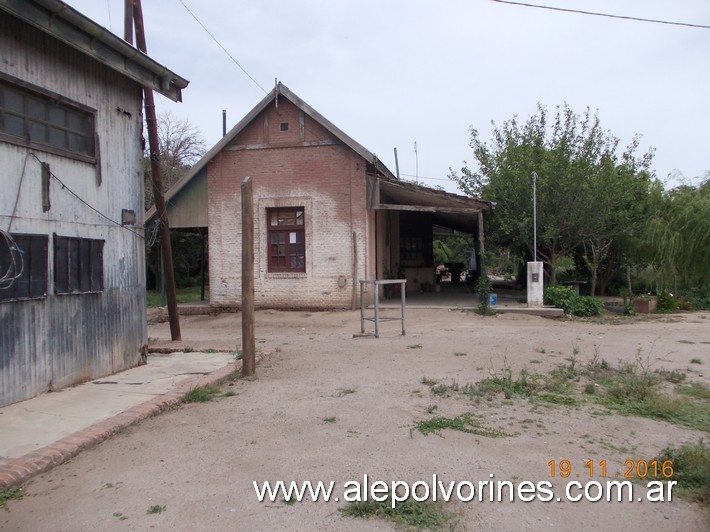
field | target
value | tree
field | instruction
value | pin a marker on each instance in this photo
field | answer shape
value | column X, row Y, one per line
column 583, row 186
column 181, row 145
column 619, row 205
column 677, row 235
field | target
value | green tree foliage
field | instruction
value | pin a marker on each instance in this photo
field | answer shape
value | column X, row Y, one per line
column 587, row 194
column 677, row 236
column 442, row 253
column 453, row 248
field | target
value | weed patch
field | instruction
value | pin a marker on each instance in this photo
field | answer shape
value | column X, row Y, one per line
column 691, row 469
column 633, row 389
column 156, row 509
column 695, row 389
column 463, row 423
column 557, row 399
column 444, row 390
column 346, row 391
column 411, row 514
column 14, row 493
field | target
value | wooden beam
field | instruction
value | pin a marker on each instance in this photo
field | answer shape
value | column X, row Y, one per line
column 266, row 146
column 427, row 208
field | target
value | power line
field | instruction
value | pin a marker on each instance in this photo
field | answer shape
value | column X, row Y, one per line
column 222, row 47
column 85, row 203
column 638, row 19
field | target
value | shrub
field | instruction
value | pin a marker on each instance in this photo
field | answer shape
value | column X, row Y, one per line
column 691, row 469
column 667, row 303
column 696, row 298
column 566, row 298
column 484, row 287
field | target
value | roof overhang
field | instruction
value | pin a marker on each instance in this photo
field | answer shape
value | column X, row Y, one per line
column 80, row 32
column 457, row 212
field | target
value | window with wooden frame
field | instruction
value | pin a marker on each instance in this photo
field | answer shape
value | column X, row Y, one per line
column 23, row 267
column 78, row 265
column 287, row 239
column 33, row 117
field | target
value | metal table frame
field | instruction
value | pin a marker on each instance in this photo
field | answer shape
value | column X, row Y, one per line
column 376, row 289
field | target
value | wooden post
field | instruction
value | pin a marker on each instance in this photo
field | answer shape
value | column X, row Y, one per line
column 248, row 342
column 160, row 206
column 128, row 21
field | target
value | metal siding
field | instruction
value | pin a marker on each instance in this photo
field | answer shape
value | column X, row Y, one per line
column 61, row 340
column 188, row 208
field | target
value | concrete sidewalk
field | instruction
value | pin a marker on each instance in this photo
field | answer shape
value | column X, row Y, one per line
column 40, row 433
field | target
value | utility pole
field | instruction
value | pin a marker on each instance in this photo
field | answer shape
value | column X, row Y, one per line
column 128, row 21
column 160, row 207
column 248, row 341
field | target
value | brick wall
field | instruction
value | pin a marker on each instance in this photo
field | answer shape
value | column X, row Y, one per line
column 298, row 165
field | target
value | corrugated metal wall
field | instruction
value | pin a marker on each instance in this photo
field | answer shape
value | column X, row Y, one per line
column 57, row 341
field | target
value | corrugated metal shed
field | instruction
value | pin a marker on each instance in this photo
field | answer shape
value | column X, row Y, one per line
column 56, row 340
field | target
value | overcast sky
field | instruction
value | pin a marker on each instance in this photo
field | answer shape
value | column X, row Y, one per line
column 394, row 72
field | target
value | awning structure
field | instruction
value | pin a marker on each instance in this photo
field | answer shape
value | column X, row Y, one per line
column 447, row 209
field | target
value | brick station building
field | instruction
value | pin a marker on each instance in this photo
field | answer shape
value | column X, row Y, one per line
column 327, row 212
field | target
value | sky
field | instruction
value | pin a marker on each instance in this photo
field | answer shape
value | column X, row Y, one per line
column 392, row 73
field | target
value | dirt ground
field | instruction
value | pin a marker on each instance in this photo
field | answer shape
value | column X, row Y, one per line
column 328, row 406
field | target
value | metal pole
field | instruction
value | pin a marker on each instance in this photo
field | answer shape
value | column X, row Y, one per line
column 396, row 162
column 534, row 176
column 482, row 246
column 416, row 159
column 404, row 305
column 362, row 307
column 377, row 309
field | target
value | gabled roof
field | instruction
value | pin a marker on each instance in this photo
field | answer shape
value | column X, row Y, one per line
column 279, row 90
column 386, row 191
column 65, row 23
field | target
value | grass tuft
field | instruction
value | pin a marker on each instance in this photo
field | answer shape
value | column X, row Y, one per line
column 202, row 394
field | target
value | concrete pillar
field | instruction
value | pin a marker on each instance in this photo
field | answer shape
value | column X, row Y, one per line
column 535, row 284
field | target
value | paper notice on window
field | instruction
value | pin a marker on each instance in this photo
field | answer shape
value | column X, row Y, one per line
column 292, row 237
